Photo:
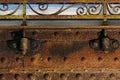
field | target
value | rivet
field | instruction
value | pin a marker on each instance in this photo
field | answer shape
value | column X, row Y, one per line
column 116, row 59
column 49, row 59
column 47, row 76
column 112, row 75
column 17, row 76
column 78, row 76
column 63, row 76
column 18, row 59
column 77, row 33
column 82, row 58
column 92, row 77
column 31, row 77
column 65, row 58
column 99, row 58
column 32, row 59
column 2, row 59
column 35, row 33
column 55, row 33
column 1, row 76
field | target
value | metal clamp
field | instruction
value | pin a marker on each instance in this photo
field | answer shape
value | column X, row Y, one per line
column 24, row 44
column 104, row 43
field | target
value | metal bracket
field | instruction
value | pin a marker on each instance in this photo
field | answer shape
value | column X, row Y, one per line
column 24, row 44
column 104, row 43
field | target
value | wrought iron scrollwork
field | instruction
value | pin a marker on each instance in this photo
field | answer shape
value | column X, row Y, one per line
column 84, row 9
column 79, row 9
column 44, row 7
column 89, row 10
column 113, row 9
column 95, row 10
column 5, row 8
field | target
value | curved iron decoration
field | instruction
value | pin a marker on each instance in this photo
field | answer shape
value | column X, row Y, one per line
column 104, row 43
column 82, row 10
column 56, row 13
column 43, row 7
column 7, row 7
column 92, row 10
column 113, row 10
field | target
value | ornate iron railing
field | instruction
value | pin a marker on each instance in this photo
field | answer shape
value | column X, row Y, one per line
column 81, row 9
column 59, row 52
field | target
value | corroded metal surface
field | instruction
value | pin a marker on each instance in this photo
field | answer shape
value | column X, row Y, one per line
column 66, row 55
column 61, row 76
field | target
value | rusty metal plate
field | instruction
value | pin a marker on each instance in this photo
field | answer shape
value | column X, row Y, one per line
column 66, row 55
column 60, row 76
column 66, row 46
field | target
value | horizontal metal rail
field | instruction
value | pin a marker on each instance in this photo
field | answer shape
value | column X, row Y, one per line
column 100, row 10
column 58, row 27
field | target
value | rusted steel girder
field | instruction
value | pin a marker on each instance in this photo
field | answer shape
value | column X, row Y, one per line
column 60, row 53
column 66, row 55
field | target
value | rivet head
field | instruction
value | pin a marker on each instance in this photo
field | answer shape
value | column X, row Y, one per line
column 63, row 76
column 32, row 59
column 92, row 77
column 116, row 59
column 112, row 76
column 17, row 77
column 3, row 59
column 2, row 77
column 31, row 77
column 47, row 76
column 49, row 59
column 79, row 77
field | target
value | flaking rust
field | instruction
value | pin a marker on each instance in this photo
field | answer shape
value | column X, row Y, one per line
column 63, row 56
column 60, row 52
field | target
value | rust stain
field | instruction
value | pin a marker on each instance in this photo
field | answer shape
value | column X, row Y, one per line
column 66, row 49
column 65, row 56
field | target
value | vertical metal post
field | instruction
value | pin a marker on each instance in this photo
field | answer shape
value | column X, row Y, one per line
column 105, row 12
column 24, row 13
